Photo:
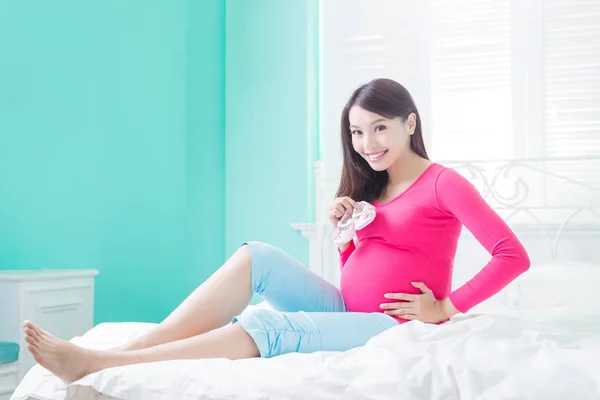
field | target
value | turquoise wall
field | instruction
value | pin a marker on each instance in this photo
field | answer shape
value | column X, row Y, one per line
column 147, row 140
column 205, row 139
column 111, row 146
column 270, row 114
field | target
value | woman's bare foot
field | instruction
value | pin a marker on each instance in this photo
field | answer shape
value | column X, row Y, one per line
column 64, row 359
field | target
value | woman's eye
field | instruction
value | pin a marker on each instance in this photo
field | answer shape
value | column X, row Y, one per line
column 379, row 128
column 356, row 132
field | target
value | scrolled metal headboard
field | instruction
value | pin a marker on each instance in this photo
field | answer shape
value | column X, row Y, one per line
column 544, row 194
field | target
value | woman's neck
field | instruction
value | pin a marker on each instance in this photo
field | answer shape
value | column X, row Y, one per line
column 406, row 169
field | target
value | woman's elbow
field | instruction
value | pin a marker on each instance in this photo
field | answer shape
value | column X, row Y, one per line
column 523, row 262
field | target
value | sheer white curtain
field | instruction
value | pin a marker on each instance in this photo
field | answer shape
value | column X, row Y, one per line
column 493, row 79
column 572, row 77
column 471, row 89
column 516, row 78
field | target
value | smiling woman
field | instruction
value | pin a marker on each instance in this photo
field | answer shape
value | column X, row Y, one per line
column 389, row 277
column 416, row 202
column 379, row 123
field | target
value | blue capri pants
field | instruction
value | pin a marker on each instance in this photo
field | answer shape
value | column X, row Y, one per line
column 310, row 313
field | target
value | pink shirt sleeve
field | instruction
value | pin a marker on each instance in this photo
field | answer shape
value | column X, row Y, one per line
column 457, row 196
column 346, row 253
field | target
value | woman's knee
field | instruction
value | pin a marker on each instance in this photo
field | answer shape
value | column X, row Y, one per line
column 268, row 265
column 242, row 258
column 245, row 252
column 248, row 250
column 276, row 333
column 242, row 345
column 266, row 255
column 287, row 284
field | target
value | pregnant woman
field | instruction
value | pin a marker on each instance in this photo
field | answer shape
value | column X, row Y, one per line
column 398, row 267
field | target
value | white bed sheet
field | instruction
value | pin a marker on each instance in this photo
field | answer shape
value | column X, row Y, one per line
column 527, row 354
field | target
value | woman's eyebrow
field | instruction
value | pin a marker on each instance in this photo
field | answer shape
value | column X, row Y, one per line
column 374, row 122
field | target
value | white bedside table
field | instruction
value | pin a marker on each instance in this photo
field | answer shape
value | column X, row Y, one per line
column 9, row 378
column 59, row 301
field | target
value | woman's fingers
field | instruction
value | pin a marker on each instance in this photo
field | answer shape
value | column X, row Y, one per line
column 401, row 314
column 340, row 206
column 422, row 287
column 348, row 206
column 402, row 296
column 397, row 305
column 409, row 316
column 349, row 200
column 347, row 203
column 398, row 308
column 339, row 211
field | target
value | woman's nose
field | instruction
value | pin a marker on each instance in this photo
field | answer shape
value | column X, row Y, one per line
column 369, row 142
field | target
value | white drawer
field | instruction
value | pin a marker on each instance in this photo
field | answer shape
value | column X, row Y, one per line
column 63, row 307
column 9, row 379
column 59, row 301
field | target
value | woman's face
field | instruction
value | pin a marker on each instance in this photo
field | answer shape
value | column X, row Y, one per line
column 379, row 140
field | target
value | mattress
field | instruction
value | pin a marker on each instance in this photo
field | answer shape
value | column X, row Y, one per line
column 550, row 353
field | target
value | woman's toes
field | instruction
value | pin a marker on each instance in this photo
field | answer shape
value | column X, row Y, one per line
column 31, row 332
column 37, row 329
column 30, row 340
column 33, row 350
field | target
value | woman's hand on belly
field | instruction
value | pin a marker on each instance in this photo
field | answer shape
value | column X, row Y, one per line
column 423, row 307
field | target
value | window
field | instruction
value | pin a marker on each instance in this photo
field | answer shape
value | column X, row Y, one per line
column 572, row 78
column 515, row 79
column 493, row 79
column 471, row 80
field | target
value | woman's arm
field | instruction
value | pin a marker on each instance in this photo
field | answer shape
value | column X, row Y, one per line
column 457, row 196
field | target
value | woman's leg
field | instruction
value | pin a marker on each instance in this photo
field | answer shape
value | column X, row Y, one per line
column 277, row 333
column 212, row 305
column 255, row 268
column 289, row 286
column 70, row 362
column 257, row 332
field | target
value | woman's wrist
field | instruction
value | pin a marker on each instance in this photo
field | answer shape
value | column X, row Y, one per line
column 343, row 247
column 448, row 309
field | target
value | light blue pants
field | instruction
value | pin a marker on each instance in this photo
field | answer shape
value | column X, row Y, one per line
column 311, row 315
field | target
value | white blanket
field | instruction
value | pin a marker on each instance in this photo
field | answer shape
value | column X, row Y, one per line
column 528, row 354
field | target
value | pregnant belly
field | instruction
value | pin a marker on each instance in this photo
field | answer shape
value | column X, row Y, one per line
column 375, row 269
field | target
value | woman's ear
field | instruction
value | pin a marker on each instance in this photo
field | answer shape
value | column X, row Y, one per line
column 411, row 123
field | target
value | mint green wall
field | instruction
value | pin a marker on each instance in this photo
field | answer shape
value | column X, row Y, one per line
column 113, row 133
column 270, row 68
column 205, row 139
column 111, row 146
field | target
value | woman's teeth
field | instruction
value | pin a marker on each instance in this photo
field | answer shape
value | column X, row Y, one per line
column 376, row 156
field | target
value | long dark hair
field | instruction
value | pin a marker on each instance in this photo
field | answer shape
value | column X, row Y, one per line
column 389, row 99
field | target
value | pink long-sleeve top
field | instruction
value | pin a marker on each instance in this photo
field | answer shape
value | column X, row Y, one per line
column 414, row 239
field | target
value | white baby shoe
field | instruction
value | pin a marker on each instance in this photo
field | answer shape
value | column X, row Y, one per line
column 363, row 214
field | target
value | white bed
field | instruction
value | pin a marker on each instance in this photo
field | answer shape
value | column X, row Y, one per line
column 526, row 354
column 538, row 339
